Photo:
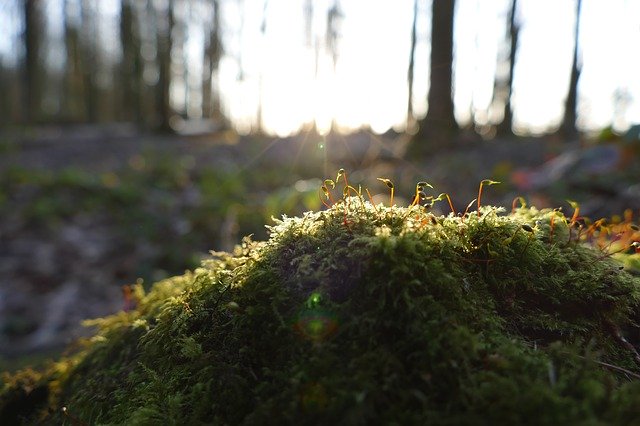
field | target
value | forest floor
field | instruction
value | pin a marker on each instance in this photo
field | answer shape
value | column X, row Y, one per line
column 84, row 211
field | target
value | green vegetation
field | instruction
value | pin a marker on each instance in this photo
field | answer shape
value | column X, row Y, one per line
column 365, row 314
column 179, row 210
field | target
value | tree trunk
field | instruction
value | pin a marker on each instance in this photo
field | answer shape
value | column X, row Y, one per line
column 212, row 53
column 410, row 71
column 263, row 30
column 505, row 128
column 332, row 34
column 6, row 100
column 439, row 126
column 88, row 61
column 165, row 28
column 32, row 69
column 72, row 99
column 206, row 83
column 568, row 128
column 131, row 63
column 308, row 23
column 216, row 42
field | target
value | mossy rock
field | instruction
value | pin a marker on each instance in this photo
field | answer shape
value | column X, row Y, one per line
column 365, row 314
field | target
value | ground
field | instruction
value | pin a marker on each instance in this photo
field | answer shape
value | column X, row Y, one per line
column 85, row 211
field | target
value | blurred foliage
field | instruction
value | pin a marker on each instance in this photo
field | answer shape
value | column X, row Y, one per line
column 181, row 210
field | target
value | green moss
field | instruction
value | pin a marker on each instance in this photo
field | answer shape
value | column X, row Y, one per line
column 371, row 315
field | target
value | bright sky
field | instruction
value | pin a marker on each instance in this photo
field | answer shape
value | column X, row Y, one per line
column 369, row 86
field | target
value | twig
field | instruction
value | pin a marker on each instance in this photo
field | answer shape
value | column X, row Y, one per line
column 603, row 364
column 615, row 368
column 622, row 341
column 73, row 419
column 217, row 302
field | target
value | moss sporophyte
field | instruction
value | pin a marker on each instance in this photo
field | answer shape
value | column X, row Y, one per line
column 368, row 313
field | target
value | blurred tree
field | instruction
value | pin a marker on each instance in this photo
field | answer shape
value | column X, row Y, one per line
column 410, row 71
column 33, row 70
column 5, row 101
column 332, row 39
column 215, row 40
column 102, row 52
column 88, row 59
column 307, row 12
column 439, row 125
column 332, row 33
column 150, row 74
column 72, row 99
column 212, row 54
column 165, row 26
column 568, row 127
column 505, row 128
column 131, row 65
column 259, row 126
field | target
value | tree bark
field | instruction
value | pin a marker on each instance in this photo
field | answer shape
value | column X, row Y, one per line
column 505, row 128
column 439, row 125
column 6, row 100
column 568, row 128
column 88, row 63
column 212, row 54
column 165, row 44
column 32, row 69
column 410, row 71
column 216, row 42
column 73, row 77
column 129, row 71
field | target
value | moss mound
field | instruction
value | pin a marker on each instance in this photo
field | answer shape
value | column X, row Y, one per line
column 365, row 314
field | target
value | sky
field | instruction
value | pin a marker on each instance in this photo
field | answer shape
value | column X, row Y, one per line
column 369, row 84
column 297, row 84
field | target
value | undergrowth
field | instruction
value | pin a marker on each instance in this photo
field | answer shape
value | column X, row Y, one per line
column 363, row 314
column 177, row 209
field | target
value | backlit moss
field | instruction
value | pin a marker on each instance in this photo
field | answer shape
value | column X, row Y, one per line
column 370, row 315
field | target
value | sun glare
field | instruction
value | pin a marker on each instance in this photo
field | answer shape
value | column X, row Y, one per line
column 280, row 74
column 367, row 85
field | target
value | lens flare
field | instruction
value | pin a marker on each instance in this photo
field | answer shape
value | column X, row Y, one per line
column 314, row 322
column 313, row 396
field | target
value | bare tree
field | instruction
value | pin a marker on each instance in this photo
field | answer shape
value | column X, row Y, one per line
column 5, row 101
column 410, row 71
column 165, row 44
column 212, row 54
column 505, row 127
column 88, row 59
column 131, row 62
column 263, row 32
column 33, row 70
column 332, row 33
column 72, row 99
column 216, row 55
column 440, row 125
column 568, row 127
column 308, row 23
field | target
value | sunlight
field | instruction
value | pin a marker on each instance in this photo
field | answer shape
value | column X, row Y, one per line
column 369, row 85
column 279, row 75
column 324, row 97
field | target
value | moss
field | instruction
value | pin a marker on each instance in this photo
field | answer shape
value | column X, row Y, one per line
column 366, row 314
column 23, row 393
